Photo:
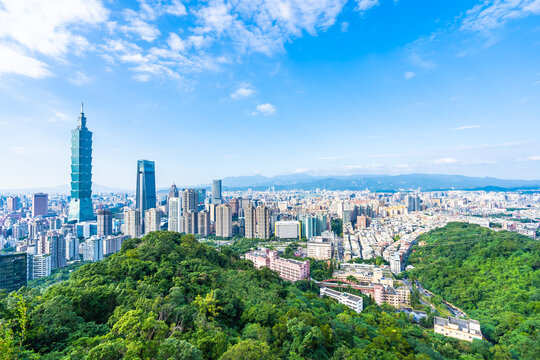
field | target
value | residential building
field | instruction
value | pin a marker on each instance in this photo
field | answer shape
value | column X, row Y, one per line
column 288, row 269
column 250, row 222
column 41, row 265
column 92, row 249
column 80, row 206
column 235, row 206
column 351, row 301
column 56, row 246
column 263, row 222
column 113, row 244
column 132, row 223
column 223, row 221
column 190, row 200
column 461, row 329
column 321, row 247
column 395, row 264
column 152, row 220
column 12, row 204
column 72, row 247
column 175, row 215
column 189, row 222
column 395, row 297
column 203, row 223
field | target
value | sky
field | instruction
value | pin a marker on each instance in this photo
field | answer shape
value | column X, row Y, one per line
column 210, row 89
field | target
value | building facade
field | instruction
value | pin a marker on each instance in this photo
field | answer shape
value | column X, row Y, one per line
column 40, row 204
column 104, row 223
column 223, row 221
column 80, row 206
column 146, row 186
column 216, row 192
column 461, row 329
column 13, row 268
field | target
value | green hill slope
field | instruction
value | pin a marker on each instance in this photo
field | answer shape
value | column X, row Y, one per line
column 168, row 297
column 493, row 276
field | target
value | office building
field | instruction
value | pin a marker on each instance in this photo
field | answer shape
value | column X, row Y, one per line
column 203, row 223
column 152, row 220
column 250, row 222
column 216, row 192
column 175, row 215
column 40, row 204
column 351, row 301
column 104, row 223
column 309, row 226
column 461, row 329
column 287, row 229
column 80, row 206
column 146, row 186
column 223, row 221
column 201, row 196
column 190, row 200
column 132, row 223
column 263, row 222
column 12, row 204
column 13, row 268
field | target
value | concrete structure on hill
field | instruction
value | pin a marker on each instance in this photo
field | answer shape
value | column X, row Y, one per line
column 461, row 329
column 351, row 301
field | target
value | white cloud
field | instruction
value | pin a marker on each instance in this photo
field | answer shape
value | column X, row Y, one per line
column 79, row 79
column 264, row 109
column 176, row 8
column 409, row 75
column 445, row 161
column 14, row 61
column 467, row 127
column 344, row 26
column 245, row 90
column 491, row 14
column 534, row 158
column 59, row 116
column 364, row 5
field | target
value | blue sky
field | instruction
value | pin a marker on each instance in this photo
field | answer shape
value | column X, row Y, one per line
column 223, row 88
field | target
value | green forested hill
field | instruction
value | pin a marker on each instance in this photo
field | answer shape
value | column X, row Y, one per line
column 168, row 297
column 493, row 276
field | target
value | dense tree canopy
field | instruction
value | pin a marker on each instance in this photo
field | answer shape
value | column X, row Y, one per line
column 166, row 296
column 493, row 276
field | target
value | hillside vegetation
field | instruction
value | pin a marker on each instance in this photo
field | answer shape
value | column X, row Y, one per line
column 493, row 276
column 168, row 297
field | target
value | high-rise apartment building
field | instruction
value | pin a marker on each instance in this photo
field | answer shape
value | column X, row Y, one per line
column 250, row 222
column 104, row 223
column 12, row 204
column 56, row 246
column 41, row 265
column 40, row 204
column 175, row 215
column 152, row 220
column 216, row 192
column 80, row 206
column 146, row 186
column 92, row 249
column 263, row 222
column 223, row 221
column 203, row 223
column 72, row 247
column 190, row 200
column 235, row 206
column 189, row 222
column 132, row 223
column 13, row 268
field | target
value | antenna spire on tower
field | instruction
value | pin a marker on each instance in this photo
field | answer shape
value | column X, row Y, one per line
column 82, row 107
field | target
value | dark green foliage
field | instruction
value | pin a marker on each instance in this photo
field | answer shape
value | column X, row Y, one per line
column 169, row 297
column 493, row 276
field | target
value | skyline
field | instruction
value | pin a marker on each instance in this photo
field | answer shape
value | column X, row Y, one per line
column 453, row 89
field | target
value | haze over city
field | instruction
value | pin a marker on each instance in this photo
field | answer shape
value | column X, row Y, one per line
column 225, row 88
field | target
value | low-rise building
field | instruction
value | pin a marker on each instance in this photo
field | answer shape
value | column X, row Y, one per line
column 351, row 301
column 387, row 294
column 461, row 329
column 288, row 269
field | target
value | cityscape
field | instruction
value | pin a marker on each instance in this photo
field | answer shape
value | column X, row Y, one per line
column 358, row 261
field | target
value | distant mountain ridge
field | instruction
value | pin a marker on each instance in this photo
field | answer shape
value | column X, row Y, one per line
column 376, row 182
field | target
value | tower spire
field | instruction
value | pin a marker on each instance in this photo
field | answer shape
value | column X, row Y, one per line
column 82, row 107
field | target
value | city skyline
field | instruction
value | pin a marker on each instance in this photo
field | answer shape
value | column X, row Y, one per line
column 335, row 88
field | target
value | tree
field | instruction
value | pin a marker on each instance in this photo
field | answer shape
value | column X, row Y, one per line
column 248, row 350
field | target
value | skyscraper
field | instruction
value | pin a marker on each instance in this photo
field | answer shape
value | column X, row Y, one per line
column 132, row 223
column 223, row 221
column 250, row 222
column 173, row 193
column 13, row 270
column 146, row 186
column 40, row 204
column 190, row 200
column 263, row 222
column 203, row 223
column 152, row 220
column 80, row 207
column 104, row 223
column 216, row 192
column 175, row 211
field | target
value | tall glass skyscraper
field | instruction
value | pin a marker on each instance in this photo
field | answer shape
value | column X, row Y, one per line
column 216, row 192
column 146, row 186
column 80, row 207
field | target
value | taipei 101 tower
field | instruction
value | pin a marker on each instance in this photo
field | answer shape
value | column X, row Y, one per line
column 80, row 206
